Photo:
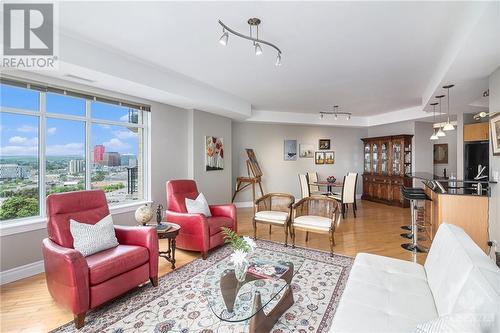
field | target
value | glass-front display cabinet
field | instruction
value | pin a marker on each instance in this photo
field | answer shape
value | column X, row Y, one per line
column 387, row 166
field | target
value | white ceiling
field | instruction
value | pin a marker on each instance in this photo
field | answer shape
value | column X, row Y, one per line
column 368, row 57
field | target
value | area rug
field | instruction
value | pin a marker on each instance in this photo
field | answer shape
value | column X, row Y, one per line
column 178, row 303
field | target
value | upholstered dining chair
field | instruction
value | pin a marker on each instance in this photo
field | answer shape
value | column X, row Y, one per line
column 82, row 283
column 274, row 209
column 312, row 177
column 348, row 194
column 318, row 214
column 305, row 187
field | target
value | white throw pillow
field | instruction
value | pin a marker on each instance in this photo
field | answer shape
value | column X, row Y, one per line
column 92, row 238
column 198, row 206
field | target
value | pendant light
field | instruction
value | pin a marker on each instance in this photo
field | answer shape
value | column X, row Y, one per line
column 434, row 136
column 448, row 126
column 440, row 133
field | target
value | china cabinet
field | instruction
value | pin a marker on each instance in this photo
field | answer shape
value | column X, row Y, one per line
column 387, row 166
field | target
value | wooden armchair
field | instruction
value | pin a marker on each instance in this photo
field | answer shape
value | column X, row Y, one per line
column 273, row 209
column 317, row 214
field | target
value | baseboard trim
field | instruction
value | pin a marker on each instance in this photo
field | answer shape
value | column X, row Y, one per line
column 21, row 272
column 243, row 204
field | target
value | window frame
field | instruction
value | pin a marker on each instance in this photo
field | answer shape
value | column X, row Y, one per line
column 39, row 221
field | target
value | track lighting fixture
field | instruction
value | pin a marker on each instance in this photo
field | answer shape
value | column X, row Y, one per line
column 254, row 26
column 335, row 113
column 448, row 126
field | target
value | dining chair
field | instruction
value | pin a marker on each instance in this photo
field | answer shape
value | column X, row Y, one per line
column 304, row 187
column 312, row 177
column 318, row 214
column 348, row 194
column 273, row 209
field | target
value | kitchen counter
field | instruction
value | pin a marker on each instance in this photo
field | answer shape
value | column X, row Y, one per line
column 454, row 186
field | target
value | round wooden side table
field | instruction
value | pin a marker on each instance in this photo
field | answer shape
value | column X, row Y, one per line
column 170, row 234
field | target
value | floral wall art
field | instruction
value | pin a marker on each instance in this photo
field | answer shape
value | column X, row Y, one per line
column 214, row 153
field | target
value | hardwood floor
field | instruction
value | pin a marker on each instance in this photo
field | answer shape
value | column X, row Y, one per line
column 26, row 305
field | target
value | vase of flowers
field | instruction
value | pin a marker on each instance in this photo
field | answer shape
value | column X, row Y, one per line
column 242, row 247
column 331, row 179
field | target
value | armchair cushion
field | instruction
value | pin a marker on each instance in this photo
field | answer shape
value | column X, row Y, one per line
column 215, row 223
column 313, row 222
column 272, row 216
column 116, row 261
column 92, row 238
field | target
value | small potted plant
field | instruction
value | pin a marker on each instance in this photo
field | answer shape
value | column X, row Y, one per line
column 331, row 179
column 242, row 246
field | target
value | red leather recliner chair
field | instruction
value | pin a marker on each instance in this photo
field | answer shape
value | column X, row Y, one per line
column 198, row 232
column 82, row 283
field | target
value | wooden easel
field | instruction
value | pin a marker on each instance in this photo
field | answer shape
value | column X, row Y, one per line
column 254, row 176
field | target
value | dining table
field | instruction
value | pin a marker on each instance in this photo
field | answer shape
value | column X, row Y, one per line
column 329, row 185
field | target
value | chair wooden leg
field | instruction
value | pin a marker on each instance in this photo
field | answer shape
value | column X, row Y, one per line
column 254, row 224
column 286, row 233
column 154, row 281
column 204, row 255
column 79, row 320
column 354, row 209
column 355, row 205
column 307, row 236
column 270, row 229
column 293, row 236
column 343, row 211
column 332, row 242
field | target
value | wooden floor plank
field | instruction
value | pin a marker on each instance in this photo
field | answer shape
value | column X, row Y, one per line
column 26, row 305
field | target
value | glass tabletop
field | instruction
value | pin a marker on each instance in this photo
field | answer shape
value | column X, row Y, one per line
column 268, row 276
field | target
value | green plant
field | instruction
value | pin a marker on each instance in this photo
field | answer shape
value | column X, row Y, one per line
column 235, row 241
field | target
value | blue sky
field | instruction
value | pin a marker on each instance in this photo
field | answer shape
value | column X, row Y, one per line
column 19, row 133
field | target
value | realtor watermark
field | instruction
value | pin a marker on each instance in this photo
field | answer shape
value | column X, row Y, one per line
column 29, row 38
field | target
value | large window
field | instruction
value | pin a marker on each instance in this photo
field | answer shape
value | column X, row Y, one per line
column 54, row 142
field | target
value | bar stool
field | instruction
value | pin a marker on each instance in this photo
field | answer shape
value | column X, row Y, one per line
column 415, row 197
column 408, row 227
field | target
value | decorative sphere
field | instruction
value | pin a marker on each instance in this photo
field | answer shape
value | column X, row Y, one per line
column 143, row 214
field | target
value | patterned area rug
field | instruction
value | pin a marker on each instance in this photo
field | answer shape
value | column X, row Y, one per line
column 178, row 304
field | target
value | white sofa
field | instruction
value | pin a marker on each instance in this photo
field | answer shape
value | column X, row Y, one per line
column 456, row 290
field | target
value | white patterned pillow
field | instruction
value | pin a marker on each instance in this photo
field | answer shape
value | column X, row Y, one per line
column 198, row 206
column 92, row 238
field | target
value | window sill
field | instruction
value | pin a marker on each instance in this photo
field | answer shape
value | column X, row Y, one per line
column 37, row 223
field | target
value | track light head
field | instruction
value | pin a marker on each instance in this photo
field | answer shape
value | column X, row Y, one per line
column 448, row 126
column 348, row 117
column 440, row 133
column 321, row 116
column 223, row 39
column 258, row 49
column 278, row 60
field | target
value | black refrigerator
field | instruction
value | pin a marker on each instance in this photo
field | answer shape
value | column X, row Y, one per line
column 475, row 154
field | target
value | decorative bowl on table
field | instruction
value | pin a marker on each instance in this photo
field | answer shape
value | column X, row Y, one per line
column 331, row 179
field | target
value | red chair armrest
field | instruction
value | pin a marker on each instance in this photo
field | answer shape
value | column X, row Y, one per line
column 141, row 236
column 67, row 276
column 190, row 223
column 228, row 210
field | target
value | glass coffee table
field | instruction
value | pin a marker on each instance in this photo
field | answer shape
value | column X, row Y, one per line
column 262, row 298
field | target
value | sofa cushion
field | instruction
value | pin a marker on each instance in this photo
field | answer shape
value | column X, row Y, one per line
column 118, row 260
column 313, row 222
column 272, row 216
column 215, row 223
column 384, row 295
column 462, row 278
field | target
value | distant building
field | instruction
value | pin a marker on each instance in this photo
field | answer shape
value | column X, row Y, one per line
column 13, row 171
column 99, row 151
column 112, row 159
column 76, row 166
column 129, row 160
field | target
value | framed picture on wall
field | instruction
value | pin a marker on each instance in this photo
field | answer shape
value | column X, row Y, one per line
column 214, row 153
column 495, row 133
column 319, row 157
column 441, row 153
column 290, row 150
column 324, row 144
column 306, row 150
column 329, row 157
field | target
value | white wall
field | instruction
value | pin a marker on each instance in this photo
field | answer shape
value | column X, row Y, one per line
column 494, row 204
column 451, row 166
column 215, row 185
column 403, row 127
column 281, row 175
